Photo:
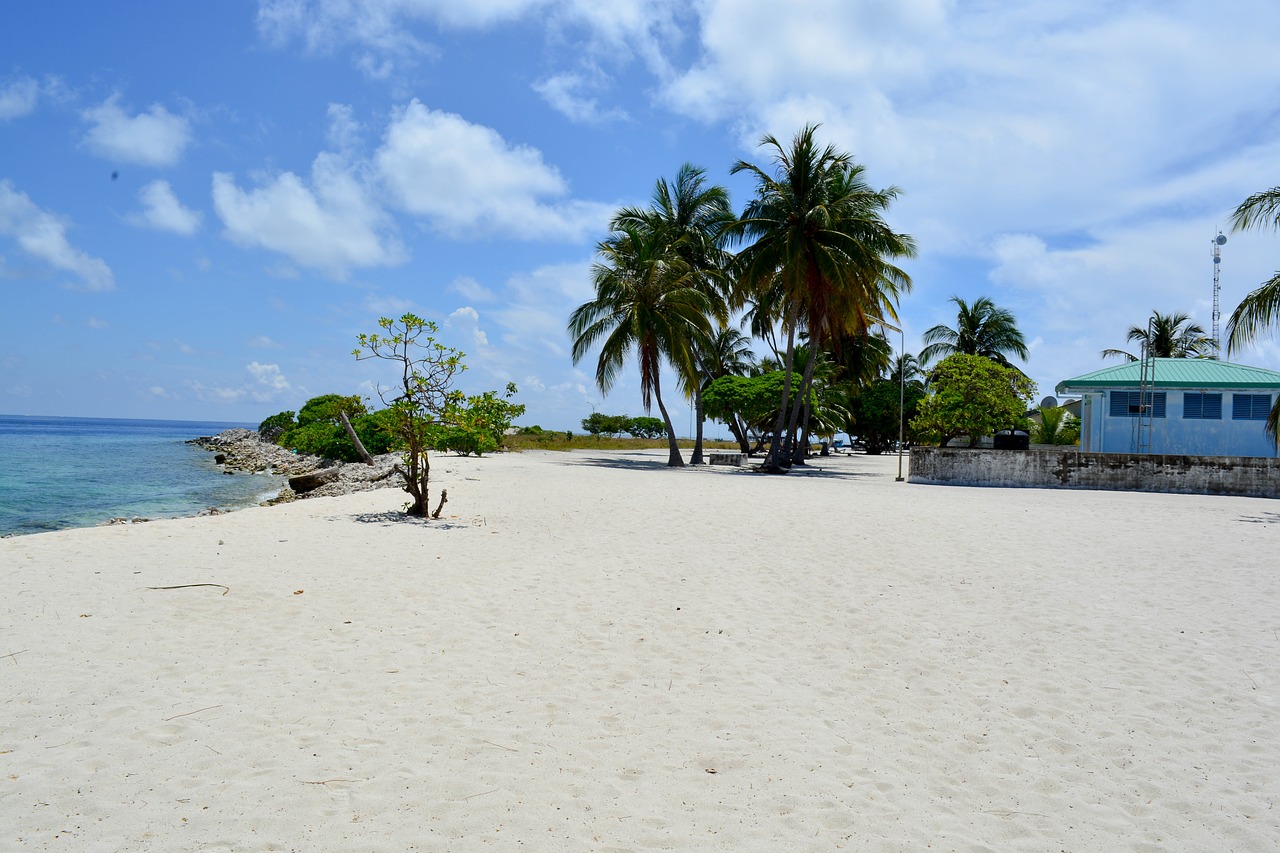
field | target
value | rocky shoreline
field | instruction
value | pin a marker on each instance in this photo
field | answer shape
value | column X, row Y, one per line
column 244, row 451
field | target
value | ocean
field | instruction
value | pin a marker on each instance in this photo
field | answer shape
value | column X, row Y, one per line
column 57, row 473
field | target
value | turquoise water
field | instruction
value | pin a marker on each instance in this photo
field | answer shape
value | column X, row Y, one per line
column 76, row 472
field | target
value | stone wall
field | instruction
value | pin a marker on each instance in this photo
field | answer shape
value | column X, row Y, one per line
column 1070, row 469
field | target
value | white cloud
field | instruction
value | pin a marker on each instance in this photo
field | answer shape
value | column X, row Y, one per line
column 265, row 384
column 467, row 319
column 264, row 342
column 162, row 210
column 381, row 24
column 153, row 138
column 43, row 235
column 471, row 289
column 97, row 323
column 569, row 94
column 18, row 98
column 467, row 180
column 333, row 225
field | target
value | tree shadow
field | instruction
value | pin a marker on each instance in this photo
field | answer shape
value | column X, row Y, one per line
column 395, row 516
column 1265, row 518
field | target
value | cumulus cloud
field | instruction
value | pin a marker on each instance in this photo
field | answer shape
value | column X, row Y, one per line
column 467, row 180
column 332, row 225
column 467, row 319
column 265, row 383
column 162, row 210
column 156, row 137
column 18, row 98
column 571, row 95
column 471, row 289
column 43, row 235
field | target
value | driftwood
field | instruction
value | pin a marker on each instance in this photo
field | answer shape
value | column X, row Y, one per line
column 225, row 589
column 355, row 439
column 444, row 498
column 301, row 483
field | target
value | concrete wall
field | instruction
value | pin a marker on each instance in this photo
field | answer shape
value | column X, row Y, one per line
column 1072, row 469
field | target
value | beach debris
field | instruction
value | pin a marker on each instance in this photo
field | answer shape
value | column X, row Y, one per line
column 303, row 483
column 225, row 589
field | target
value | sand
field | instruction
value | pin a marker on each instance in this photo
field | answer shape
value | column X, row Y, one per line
column 595, row 653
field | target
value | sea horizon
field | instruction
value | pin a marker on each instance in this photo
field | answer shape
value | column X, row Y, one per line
column 59, row 472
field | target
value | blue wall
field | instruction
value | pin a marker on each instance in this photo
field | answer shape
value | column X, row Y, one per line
column 1175, row 434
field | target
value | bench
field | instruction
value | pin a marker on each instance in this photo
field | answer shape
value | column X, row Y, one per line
column 724, row 457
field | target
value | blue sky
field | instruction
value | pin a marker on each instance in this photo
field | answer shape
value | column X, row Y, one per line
column 202, row 204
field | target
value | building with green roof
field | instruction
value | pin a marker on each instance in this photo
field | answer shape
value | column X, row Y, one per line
column 1195, row 407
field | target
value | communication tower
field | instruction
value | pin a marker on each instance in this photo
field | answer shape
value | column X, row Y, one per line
column 1218, row 243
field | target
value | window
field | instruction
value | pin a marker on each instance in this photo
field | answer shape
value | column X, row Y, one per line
column 1250, row 407
column 1198, row 406
column 1126, row 404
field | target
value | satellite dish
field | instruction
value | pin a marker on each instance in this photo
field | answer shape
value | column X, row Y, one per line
column 1217, row 260
column 1049, row 402
column 1222, row 239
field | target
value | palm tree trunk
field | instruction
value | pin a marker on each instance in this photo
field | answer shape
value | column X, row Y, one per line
column 772, row 461
column 674, row 459
column 793, row 450
column 697, row 408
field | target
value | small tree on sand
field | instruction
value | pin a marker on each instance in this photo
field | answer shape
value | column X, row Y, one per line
column 421, row 398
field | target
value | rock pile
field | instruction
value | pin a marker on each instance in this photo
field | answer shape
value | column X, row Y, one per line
column 243, row 450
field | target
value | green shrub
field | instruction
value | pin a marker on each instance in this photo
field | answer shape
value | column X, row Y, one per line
column 275, row 426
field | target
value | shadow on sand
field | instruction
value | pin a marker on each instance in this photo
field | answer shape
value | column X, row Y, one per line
column 627, row 461
column 395, row 516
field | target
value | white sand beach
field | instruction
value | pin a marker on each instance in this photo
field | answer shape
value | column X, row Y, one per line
column 595, row 653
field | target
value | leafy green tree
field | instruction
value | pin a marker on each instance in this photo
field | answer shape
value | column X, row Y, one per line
column 646, row 301
column 1260, row 307
column 327, row 408
column 422, row 395
column 477, row 425
column 750, row 400
column 817, row 259
column 1168, row 336
column 875, row 408
column 319, row 431
column 601, row 424
column 981, row 329
column 1055, row 426
column 975, row 396
column 645, row 427
column 277, row 425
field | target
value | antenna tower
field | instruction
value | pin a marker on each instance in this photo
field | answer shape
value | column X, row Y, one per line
column 1218, row 243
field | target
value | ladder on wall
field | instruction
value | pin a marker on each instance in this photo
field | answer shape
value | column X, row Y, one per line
column 1144, row 422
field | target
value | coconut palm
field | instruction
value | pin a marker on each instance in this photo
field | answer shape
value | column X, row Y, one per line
column 1261, row 307
column 817, row 257
column 982, row 329
column 688, row 215
column 645, row 301
column 1168, row 336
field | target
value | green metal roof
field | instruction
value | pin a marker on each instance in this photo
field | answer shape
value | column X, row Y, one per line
column 1176, row 373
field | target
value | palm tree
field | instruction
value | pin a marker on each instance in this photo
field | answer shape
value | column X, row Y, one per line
column 817, row 258
column 645, row 300
column 981, row 329
column 1261, row 307
column 689, row 216
column 1168, row 336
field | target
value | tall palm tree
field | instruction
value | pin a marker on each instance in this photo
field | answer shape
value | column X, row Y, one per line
column 1261, row 307
column 982, row 329
column 688, row 215
column 1168, row 336
column 817, row 259
column 646, row 302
